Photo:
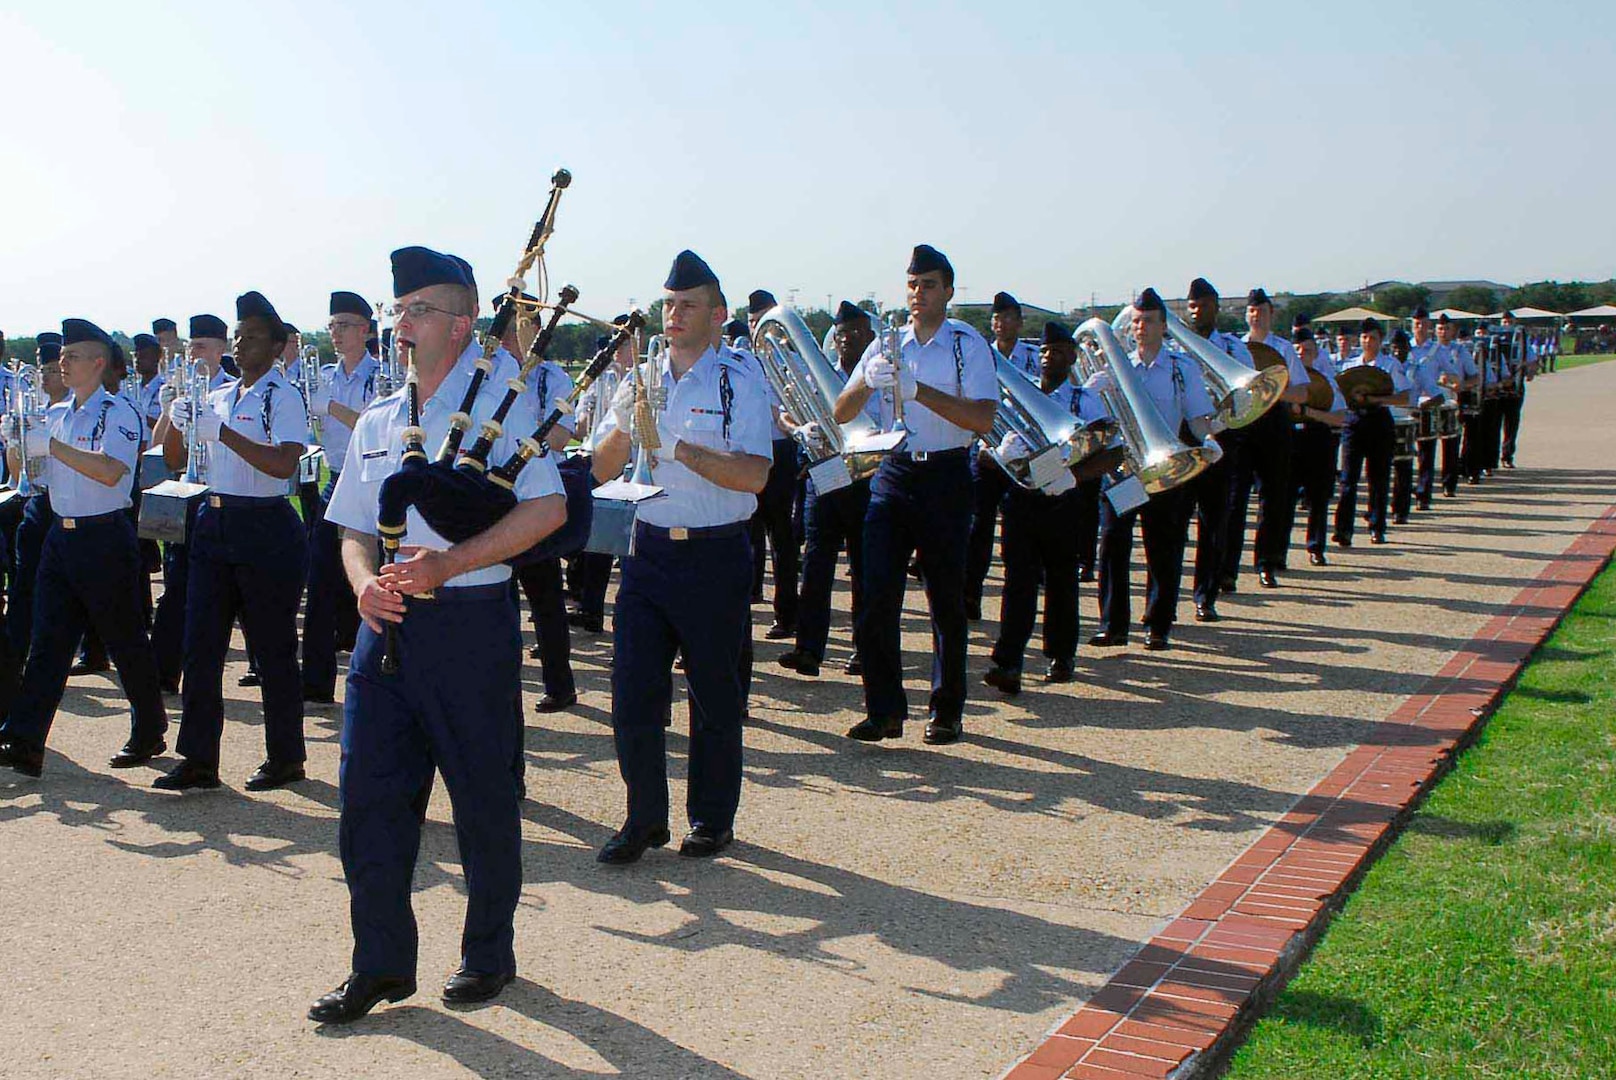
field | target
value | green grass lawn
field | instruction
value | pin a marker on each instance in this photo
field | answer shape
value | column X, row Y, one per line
column 1484, row 943
column 1566, row 362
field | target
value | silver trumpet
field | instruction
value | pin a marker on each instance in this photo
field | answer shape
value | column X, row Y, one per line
column 308, row 372
column 1154, row 452
column 1059, row 441
column 807, row 385
column 27, row 409
column 890, row 337
column 389, row 376
column 166, row 507
column 650, row 398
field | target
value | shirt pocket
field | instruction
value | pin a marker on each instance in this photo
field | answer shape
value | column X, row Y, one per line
column 373, row 470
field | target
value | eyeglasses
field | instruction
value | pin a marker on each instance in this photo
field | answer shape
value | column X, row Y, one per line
column 417, row 310
column 346, row 324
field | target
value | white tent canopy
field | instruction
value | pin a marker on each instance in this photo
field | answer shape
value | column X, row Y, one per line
column 1603, row 311
column 1351, row 315
column 1455, row 314
column 1528, row 313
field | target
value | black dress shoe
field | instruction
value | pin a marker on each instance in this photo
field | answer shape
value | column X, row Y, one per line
column 23, row 759
column 1085, row 575
column 1228, row 585
column 358, row 995
column 1157, row 642
column 1316, row 558
column 973, row 610
column 855, row 666
column 187, row 775
column 781, row 632
column 315, row 697
column 1423, row 504
column 1267, row 579
column 1342, row 541
column 626, row 847
column 704, row 841
column 1206, row 613
column 89, row 665
column 536, row 653
column 1105, row 639
column 250, row 679
column 1003, row 679
column 1377, row 538
column 799, row 660
column 1059, row 671
column 1400, row 519
column 587, row 621
column 134, row 753
column 275, row 774
column 941, row 732
column 170, row 686
column 1510, row 464
column 469, row 987
column 873, row 730
column 552, row 703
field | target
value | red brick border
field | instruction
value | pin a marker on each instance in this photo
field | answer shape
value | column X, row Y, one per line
column 1183, row 999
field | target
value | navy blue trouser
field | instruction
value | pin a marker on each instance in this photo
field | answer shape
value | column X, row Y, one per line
column 1366, row 439
column 247, row 558
column 1509, row 424
column 36, row 522
column 989, row 486
column 541, row 582
column 924, row 507
column 1264, row 459
column 1402, row 487
column 90, row 577
column 594, row 575
column 1425, row 481
column 692, row 597
column 773, row 520
column 1088, row 523
column 449, row 707
column 1210, row 496
column 168, row 621
column 1039, row 545
column 1452, row 464
column 330, row 612
column 1166, row 526
column 1317, row 447
column 830, row 521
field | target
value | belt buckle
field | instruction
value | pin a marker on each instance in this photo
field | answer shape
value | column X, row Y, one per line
column 921, row 455
column 70, row 523
column 215, row 502
column 678, row 532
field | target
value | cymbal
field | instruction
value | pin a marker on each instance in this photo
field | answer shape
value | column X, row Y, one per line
column 1264, row 356
column 1320, row 394
column 1363, row 381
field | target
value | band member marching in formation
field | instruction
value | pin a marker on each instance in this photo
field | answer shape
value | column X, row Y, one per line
column 1178, row 391
column 773, row 518
column 89, row 574
column 1040, row 538
column 1403, row 467
column 1366, row 440
column 1464, row 377
column 989, row 480
column 35, row 521
column 346, row 388
column 942, row 383
column 248, row 554
column 1317, row 442
column 830, row 520
column 687, row 580
column 1520, row 361
column 449, row 704
column 1210, row 492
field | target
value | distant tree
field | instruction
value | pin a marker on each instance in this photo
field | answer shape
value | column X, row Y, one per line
column 1476, row 298
column 818, row 321
column 976, row 316
column 1401, row 300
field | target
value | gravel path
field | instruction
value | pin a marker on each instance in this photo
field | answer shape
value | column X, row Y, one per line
column 894, row 910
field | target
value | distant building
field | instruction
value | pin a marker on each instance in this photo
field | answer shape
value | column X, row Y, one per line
column 985, row 311
column 1440, row 290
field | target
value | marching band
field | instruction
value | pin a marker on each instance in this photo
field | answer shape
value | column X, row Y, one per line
column 458, row 471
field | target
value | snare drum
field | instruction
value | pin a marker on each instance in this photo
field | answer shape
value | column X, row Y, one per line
column 1405, row 433
column 1448, row 423
column 1426, row 421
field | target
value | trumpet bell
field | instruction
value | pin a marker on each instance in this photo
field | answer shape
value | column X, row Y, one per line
column 1246, row 404
column 1165, row 468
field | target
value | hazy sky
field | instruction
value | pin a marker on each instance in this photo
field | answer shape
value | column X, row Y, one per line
column 162, row 157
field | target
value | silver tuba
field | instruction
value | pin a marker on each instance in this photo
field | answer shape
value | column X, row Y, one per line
column 807, row 385
column 1155, row 453
column 1059, row 441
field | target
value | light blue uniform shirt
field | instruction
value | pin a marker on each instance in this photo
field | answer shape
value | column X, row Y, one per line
column 269, row 412
column 722, row 404
column 148, row 400
column 1426, row 364
column 1232, row 346
column 1175, row 384
column 957, row 361
column 377, row 445
column 107, row 424
column 354, row 390
column 548, row 384
column 1023, row 357
column 1086, row 405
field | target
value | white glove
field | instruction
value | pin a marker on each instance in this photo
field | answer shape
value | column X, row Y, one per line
column 623, row 407
column 1100, row 382
column 1014, row 448
column 36, row 440
column 179, row 413
column 667, row 437
column 8, row 427
column 320, row 402
column 208, row 426
column 167, row 395
column 880, row 373
column 809, row 432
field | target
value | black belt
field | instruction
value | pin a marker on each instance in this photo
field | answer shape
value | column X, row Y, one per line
column 691, row 532
column 243, row 502
column 108, row 518
column 956, row 453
